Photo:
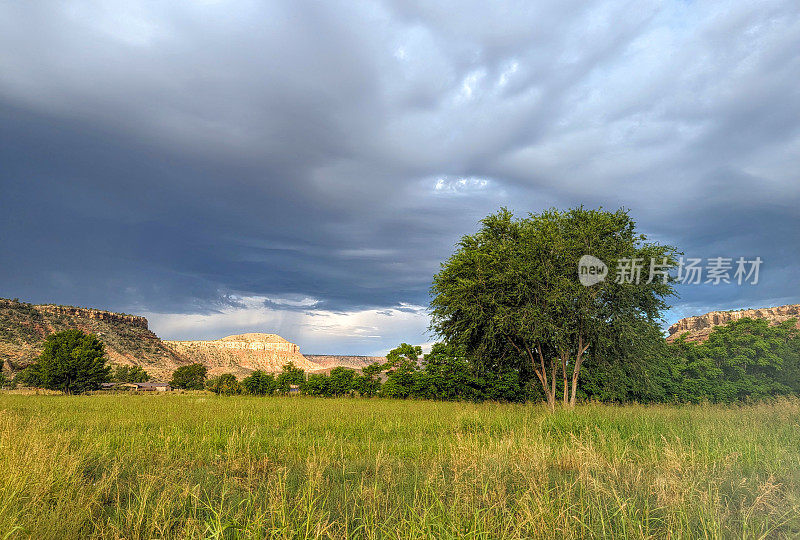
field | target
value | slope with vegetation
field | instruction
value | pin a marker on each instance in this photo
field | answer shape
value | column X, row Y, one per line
column 127, row 339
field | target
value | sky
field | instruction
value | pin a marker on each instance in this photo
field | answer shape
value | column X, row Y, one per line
column 303, row 168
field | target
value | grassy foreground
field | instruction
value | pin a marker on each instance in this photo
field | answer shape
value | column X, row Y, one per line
column 203, row 466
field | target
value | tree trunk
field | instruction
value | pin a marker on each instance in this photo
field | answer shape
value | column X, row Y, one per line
column 564, row 357
column 577, row 369
column 541, row 372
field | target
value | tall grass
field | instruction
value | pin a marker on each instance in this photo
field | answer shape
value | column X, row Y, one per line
column 175, row 466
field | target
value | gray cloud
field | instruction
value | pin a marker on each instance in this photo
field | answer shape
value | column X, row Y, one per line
column 171, row 158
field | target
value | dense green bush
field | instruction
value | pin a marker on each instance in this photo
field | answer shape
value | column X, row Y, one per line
column 259, row 383
column 72, row 361
column 226, row 384
column 289, row 376
column 191, row 377
column 130, row 374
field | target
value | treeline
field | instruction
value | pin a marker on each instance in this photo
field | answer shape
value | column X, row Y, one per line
column 442, row 374
column 748, row 359
column 745, row 360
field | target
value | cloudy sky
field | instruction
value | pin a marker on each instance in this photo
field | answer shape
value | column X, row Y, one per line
column 304, row 167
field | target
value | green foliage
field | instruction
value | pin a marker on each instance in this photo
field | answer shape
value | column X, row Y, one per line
column 290, row 375
column 745, row 359
column 317, row 384
column 403, row 354
column 511, row 298
column 226, row 385
column 130, row 374
column 341, row 381
column 29, row 377
column 638, row 368
column 402, row 366
column 446, row 375
column 399, row 382
column 259, row 383
column 191, row 377
column 368, row 384
column 72, row 361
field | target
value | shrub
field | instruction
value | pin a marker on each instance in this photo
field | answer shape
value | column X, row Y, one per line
column 191, row 377
column 73, row 362
column 226, row 384
column 259, row 383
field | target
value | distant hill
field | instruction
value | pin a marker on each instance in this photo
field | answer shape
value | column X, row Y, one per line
column 699, row 327
column 128, row 341
column 243, row 353
column 326, row 362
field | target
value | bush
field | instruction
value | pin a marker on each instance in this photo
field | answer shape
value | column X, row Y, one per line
column 226, row 384
column 290, row 375
column 73, row 362
column 259, row 383
column 368, row 384
column 340, row 382
column 130, row 374
column 317, row 384
column 191, row 377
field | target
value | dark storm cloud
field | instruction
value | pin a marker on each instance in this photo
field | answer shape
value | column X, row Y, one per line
column 318, row 160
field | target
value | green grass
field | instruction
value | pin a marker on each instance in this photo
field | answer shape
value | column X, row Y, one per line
column 198, row 466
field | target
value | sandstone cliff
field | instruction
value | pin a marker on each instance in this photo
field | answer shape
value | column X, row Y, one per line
column 128, row 341
column 241, row 354
column 327, row 362
column 699, row 327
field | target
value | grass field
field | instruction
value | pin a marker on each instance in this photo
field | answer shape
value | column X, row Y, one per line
column 196, row 466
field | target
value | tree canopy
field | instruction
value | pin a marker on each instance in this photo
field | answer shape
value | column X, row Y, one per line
column 511, row 298
column 191, row 377
column 73, row 362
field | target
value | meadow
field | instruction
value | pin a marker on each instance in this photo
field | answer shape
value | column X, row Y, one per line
column 202, row 466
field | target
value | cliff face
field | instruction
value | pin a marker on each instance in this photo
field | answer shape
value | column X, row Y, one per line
column 96, row 314
column 242, row 354
column 699, row 327
column 329, row 361
column 128, row 341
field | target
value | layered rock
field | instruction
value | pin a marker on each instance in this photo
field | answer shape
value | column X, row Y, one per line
column 243, row 353
column 329, row 361
column 127, row 339
column 97, row 314
column 699, row 327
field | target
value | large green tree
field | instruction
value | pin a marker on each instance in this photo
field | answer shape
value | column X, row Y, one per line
column 259, row 383
column 191, row 377
column 290, row 375
column 130, row 374
column 73, row 362
column 226, row 384
column 511, row 296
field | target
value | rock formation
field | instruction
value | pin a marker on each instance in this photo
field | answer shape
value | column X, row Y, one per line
column 329, row 361
column 700, row 326
column 243, row 353
column 127, row 339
